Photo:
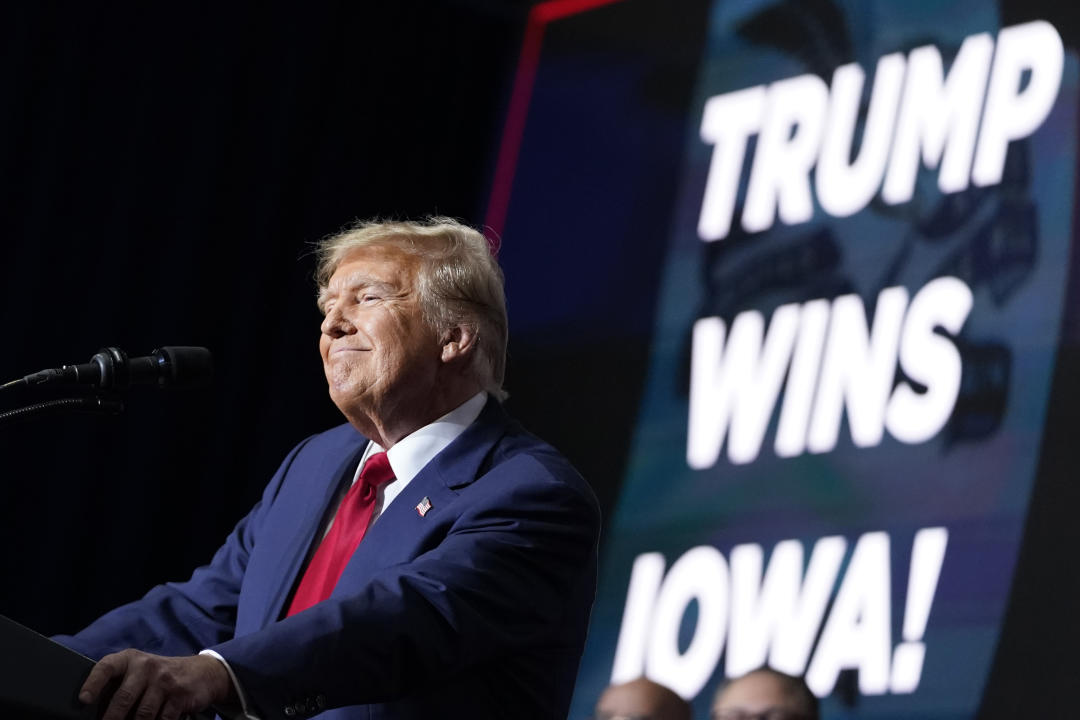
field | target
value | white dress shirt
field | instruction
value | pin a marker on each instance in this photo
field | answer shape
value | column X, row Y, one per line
column 407, row 458
column 411, row 453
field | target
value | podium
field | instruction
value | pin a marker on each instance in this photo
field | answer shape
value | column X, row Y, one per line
column 40, row 679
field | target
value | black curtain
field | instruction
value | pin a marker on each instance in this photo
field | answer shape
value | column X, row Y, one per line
column 164, row 170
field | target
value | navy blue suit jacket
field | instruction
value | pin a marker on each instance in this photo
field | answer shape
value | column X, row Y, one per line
column 476, row 609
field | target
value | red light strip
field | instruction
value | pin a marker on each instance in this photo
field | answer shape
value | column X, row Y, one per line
column 514, row 129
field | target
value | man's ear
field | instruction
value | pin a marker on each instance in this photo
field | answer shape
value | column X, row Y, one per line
column 458, row 343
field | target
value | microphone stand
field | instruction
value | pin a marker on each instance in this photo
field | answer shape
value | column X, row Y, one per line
column 94, row 404
column 37, row 655
column 99, row 403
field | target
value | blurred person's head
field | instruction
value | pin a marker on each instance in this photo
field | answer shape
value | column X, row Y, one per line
column 765, row 694
column 641, row 699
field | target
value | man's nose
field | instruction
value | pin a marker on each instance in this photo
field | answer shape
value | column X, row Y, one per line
column 335, row 324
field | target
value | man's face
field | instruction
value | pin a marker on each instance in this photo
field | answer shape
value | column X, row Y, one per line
column 640, row 699
column 378, row 353
column 757, row 696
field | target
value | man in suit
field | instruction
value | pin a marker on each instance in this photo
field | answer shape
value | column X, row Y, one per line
column 428, row 559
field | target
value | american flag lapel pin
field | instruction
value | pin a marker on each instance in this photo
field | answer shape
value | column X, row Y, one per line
column 423, row 506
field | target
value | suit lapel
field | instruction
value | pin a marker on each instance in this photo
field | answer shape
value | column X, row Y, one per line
column 400, row 531
column 315, row 493
column 460, row 462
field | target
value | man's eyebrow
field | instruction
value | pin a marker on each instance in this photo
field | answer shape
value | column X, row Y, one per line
column 361, row 280
column 353, row 282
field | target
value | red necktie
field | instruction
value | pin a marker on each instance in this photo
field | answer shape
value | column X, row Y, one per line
column 346, row 532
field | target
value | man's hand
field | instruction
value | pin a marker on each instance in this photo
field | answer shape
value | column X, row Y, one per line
column 151, row 686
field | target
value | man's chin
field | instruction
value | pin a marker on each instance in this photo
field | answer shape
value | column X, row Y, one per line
column 343, row 377
column 349, row 396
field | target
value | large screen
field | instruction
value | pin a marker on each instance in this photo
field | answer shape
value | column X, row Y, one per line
column 861, row 220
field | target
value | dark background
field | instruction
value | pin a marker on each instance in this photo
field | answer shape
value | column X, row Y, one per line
column 164, row 174
column 164, row 171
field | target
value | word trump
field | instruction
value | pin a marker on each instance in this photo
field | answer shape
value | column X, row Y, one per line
column 832, row 361
column 775, row 616
column 915, row 111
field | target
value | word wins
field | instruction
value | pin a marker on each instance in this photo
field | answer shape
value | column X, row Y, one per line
column 832, row 362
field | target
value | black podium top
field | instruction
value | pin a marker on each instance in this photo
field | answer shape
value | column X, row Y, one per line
column 40, row 679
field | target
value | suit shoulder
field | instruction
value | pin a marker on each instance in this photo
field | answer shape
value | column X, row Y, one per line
column 338, row 441
column 338, row 437
column 519, row 450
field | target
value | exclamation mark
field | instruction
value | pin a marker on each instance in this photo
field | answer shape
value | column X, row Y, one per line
column 927, row 554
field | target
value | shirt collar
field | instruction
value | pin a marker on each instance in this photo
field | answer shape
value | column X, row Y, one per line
column 410, row 454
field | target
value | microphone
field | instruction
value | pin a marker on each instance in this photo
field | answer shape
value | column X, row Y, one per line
column 177, row 366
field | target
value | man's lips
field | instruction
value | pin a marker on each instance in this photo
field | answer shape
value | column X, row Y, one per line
column 339, row 350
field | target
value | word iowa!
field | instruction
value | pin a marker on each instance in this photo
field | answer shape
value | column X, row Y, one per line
column 960, row 122
column 752, row 613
